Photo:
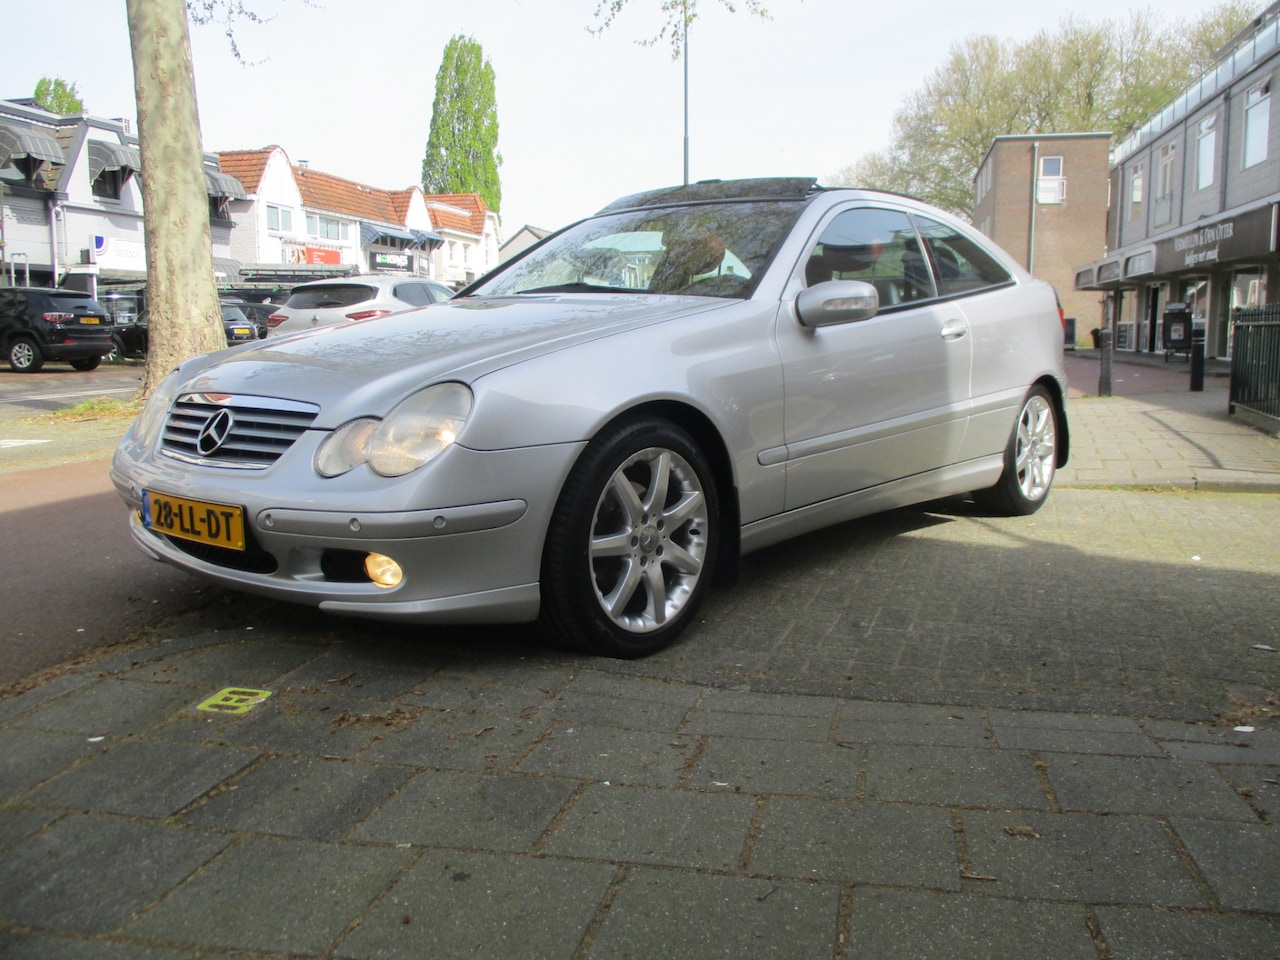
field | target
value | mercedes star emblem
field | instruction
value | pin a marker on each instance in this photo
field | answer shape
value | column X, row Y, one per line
column 214, row 433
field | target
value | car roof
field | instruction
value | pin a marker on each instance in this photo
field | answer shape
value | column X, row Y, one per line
column 711, row 191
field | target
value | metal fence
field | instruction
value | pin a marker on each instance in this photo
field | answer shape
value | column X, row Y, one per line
column 1255, row 360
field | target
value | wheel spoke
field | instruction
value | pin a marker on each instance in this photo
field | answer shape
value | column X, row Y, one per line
column 620, row 596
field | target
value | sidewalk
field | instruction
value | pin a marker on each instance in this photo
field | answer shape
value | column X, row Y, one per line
column 933, row 734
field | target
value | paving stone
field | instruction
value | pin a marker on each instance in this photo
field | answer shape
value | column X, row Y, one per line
column 778, row 767
column 18, row 947
column 1079, row 857
column 143, row 779
column 612, row 755
column 454, row 741
column 909, row 923
column 301, row 797
column 467, row 810
column 1136, row 934
column 677, row 916
column 677, row 828
column 1261, row 786
column 28, row 700
column 1238, row 860
column 112, row 708
column 18, row 823
column 1071, row 733
column 468, row 693
column 259, row 661
column 758, row 726
column 454, row 905
column 952, row 776
column 28, row 757
column 642, row 689
column 99, row 871
column 597, row 709
column 843, row 842
column 314, row 724
column 1143, row 785
column 862, row 722
column 281, row 896
column 381, row 672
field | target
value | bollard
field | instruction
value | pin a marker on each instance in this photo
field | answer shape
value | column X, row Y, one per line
column 1197, row 361
column 1104, row 372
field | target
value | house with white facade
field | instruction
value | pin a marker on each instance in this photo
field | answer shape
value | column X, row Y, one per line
column 71, row 202
column 297, row 222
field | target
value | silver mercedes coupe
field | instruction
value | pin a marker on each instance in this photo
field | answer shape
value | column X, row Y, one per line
column 596, row 431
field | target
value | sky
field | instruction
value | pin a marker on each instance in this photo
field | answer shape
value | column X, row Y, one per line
column 347, row 85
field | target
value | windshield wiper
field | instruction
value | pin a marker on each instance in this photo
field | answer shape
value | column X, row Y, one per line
column 582, row 288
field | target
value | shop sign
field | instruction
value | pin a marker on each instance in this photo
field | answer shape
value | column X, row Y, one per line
column 1247, row 235
column 384, row 260
column 115, row 253
column 295, row 253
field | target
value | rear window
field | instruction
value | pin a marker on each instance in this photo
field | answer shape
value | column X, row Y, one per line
column 74, row 300
column 330, row 295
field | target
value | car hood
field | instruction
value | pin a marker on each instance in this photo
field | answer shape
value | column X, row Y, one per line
column 364, row 367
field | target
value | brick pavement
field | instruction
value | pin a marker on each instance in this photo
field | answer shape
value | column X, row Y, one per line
column 933, row 733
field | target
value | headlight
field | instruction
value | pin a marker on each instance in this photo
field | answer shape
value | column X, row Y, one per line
column 414, row 433
column 150, row 421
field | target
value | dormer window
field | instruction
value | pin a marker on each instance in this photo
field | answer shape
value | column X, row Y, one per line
column 110, row 167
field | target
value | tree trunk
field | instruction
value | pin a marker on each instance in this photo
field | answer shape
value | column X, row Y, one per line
column 182, row 294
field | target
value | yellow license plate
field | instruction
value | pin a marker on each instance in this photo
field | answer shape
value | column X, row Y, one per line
column 219, row 524
column 90, row 320
column 241, row 331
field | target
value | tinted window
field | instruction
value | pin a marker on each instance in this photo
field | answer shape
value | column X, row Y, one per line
column 959, row 263
column 330, row 295
column 69, row 300
column 414, row 293
column 876, row 246
column 233, row 313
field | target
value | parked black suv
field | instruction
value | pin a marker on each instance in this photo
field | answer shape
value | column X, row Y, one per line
column 39, row 324
column 131, row 338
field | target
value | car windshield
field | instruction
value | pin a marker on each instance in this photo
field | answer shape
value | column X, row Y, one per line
column 330, row 295
column 714, row 250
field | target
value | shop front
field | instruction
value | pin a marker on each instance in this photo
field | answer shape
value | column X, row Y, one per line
column 1206, row 271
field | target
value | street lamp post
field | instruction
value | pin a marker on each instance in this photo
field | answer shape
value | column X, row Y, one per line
column 684, row 55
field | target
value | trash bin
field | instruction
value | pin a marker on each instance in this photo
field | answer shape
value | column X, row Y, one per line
column 1069, row 332
column 1096, row 333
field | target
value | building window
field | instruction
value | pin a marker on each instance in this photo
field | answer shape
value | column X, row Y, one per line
column 1135, row 192
column 326, row 228
column 1257, row 123
column 279, row 218
column 1162, row 210
column 1051, row 186
column 1206, row 152
column 110, row 183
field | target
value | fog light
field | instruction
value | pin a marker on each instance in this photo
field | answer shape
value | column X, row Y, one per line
column 382, row 570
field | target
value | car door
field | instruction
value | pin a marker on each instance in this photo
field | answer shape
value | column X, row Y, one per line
column 871, row 401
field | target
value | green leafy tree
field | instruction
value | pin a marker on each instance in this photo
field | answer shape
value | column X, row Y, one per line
column 58, row 96
column 1082, row 78
column 462, row 146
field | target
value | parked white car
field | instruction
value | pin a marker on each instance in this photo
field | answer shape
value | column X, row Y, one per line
column 323, row 303
column 601, row 427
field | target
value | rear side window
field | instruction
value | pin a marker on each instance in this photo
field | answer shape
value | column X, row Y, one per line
column 330, row 295
column 959, row 264
column 414, row 293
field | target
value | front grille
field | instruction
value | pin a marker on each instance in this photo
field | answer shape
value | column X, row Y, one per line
column 260, row 430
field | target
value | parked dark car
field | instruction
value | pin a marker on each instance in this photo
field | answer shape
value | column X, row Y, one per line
column 131, row 338
column 43, row 324
column 255, row 311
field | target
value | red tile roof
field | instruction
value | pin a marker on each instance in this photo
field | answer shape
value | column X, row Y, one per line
column 246, row 166
column 472, row 203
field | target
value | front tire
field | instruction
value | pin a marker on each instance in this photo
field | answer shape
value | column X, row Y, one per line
column 1029, row 459
column 631, row 549
column 24, row 356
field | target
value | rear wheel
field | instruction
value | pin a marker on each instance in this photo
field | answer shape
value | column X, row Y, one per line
column 24, row 355
column 86, row 363
column 632, row 543
column 1029, row 459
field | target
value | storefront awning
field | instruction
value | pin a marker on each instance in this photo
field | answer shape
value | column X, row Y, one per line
column 226, row 271
column 219, row 184
column 112, row 156
column 19, row 141
column 424, row 238
column 372, row 233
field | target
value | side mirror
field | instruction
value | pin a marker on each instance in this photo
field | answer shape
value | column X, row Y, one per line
column 837, row 301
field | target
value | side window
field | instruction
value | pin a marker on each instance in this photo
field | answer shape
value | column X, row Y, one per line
column 414, row 293
column 876, row 246
column 959, row 263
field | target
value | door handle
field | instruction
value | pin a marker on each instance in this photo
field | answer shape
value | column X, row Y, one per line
column 954, row 329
